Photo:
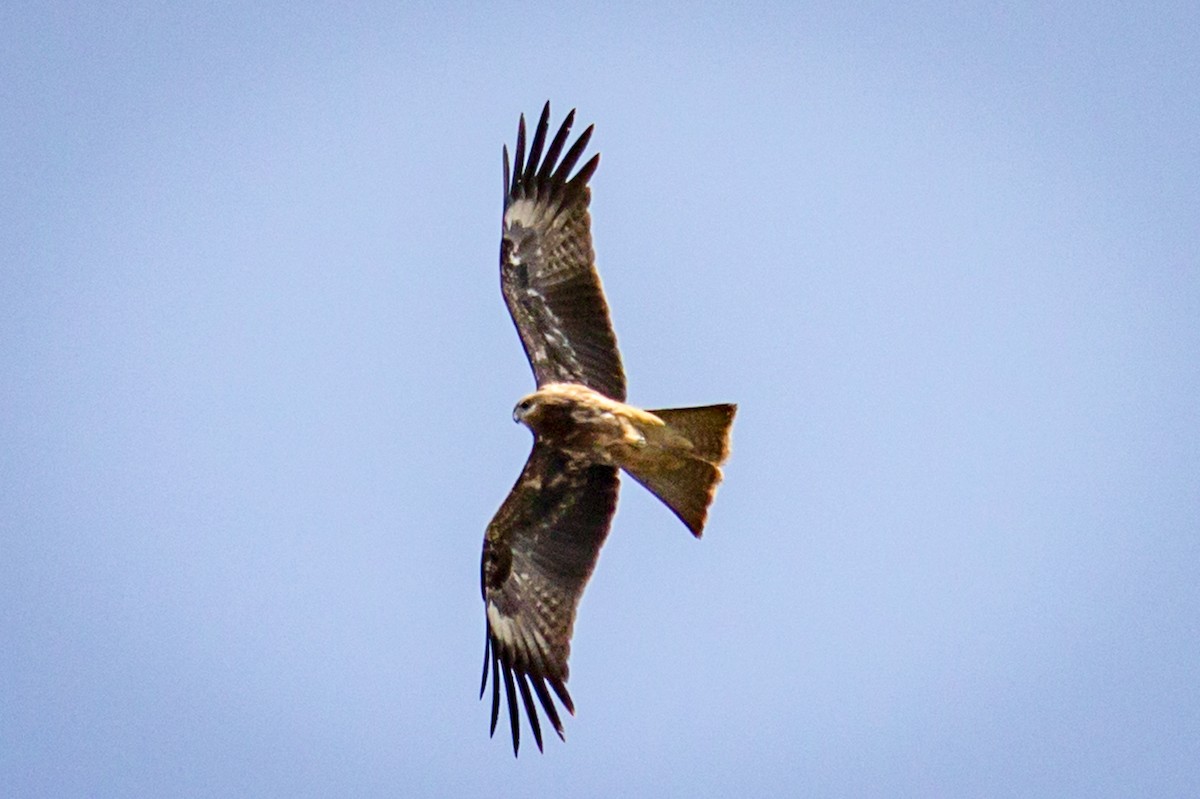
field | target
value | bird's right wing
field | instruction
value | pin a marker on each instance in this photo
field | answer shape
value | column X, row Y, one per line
column 538, row 554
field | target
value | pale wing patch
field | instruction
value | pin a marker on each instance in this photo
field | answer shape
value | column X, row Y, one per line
column 555, row 335
column 567, row 363
column 504, row 628
column 527, row 213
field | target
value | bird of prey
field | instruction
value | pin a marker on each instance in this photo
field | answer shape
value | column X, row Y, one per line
column 541, row 546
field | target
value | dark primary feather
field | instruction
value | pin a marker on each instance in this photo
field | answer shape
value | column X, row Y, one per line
column 547, row 265
column 538, row 554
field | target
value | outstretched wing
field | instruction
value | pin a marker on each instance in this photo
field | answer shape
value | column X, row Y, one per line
column 538, row 554
column 547, row 266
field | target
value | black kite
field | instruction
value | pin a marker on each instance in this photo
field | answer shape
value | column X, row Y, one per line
column 542, row 545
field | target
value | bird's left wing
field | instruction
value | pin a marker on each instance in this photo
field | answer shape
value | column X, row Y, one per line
column 547, row 265
column 538, row 554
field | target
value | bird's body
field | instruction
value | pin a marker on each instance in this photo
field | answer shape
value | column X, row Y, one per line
column 584, row 424
column 541, row 547
column 589, row 427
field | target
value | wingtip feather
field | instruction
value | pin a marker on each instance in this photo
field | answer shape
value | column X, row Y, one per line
column 530, row 709
column 556, row 146
column 487, row 657
column 507, row 176
column 514, row 719
column 584, row 174
column 495, row 692
column 572, row 156
column 539, row 685
column 519, row 155
column 535, row 148
column 564, row 696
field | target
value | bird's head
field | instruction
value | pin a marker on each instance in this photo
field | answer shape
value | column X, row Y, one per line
column 527, row 410
column 548, row 411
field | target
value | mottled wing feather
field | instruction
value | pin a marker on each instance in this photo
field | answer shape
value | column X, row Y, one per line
column 547, row 265
column 538, row 554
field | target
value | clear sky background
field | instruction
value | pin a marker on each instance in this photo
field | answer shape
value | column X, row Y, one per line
column 256, row 379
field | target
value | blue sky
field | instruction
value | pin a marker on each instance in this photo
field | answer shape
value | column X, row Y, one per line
column 256, row 382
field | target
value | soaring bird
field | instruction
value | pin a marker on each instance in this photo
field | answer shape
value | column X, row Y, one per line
column 541, row 546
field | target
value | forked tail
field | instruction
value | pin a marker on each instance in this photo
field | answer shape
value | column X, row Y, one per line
column 681, row 462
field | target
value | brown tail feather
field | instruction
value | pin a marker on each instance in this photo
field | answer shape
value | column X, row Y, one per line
column 686, row 487
column 681, row 465
column 706, row 427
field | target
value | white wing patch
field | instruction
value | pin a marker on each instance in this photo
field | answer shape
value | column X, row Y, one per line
column 503, row 627
column 526, row 212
